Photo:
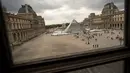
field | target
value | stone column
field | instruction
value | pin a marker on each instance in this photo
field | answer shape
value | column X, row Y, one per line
column 120, row 26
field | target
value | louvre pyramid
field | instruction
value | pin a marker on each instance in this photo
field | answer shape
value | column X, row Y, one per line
column 73, row 27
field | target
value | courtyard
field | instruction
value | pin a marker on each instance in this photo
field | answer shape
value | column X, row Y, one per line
column 46, row 46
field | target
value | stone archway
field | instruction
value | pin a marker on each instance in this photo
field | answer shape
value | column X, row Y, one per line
column 115, row 26
column 14, row 37
column 22, row 36
column 110, row 26
column 19, row 36
column 120, row 26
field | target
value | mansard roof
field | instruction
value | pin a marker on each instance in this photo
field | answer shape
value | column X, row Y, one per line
column 26, row 9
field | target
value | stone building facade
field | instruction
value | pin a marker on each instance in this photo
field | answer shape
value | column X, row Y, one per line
column 118, row 21
column 110, row 18
column 86, row 22
column 23, row 26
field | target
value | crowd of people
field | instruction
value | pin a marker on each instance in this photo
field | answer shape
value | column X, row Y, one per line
column 117, row 37
column 89, row 37
column 110, row 34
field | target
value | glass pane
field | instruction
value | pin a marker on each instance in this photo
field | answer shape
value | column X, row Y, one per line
column 116, row 67
column 56, row 28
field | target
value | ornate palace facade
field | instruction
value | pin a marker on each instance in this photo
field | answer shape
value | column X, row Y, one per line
column 110, row 18
column 23, row 26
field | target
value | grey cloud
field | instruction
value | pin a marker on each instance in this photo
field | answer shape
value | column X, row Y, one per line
column 71, row 16
column 12, row 5
column 93, row 4
column 101, row 3
column 49, row 17
column 120, row 5
column 39, row 5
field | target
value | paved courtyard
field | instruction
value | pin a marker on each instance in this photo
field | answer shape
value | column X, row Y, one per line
column 47, row 46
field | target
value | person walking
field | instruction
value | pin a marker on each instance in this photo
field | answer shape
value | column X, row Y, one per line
column 95, row 39
column 93, row 36
column 97, row 45
column 111, row 38
column 88, row 42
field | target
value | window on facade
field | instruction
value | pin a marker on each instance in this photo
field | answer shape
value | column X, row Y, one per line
column 55, row 28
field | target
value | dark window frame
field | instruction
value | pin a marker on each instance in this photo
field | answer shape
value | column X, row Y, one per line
column 68, row 63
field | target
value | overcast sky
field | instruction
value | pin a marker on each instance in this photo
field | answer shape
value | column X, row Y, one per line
column 61, row 11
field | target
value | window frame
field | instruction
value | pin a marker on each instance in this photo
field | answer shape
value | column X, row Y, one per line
column 68, row 63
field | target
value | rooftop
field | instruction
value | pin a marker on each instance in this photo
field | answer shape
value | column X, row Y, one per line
column 26, row 9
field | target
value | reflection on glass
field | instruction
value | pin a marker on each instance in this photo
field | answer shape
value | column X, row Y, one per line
column 54, row 28
column 116, row 67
